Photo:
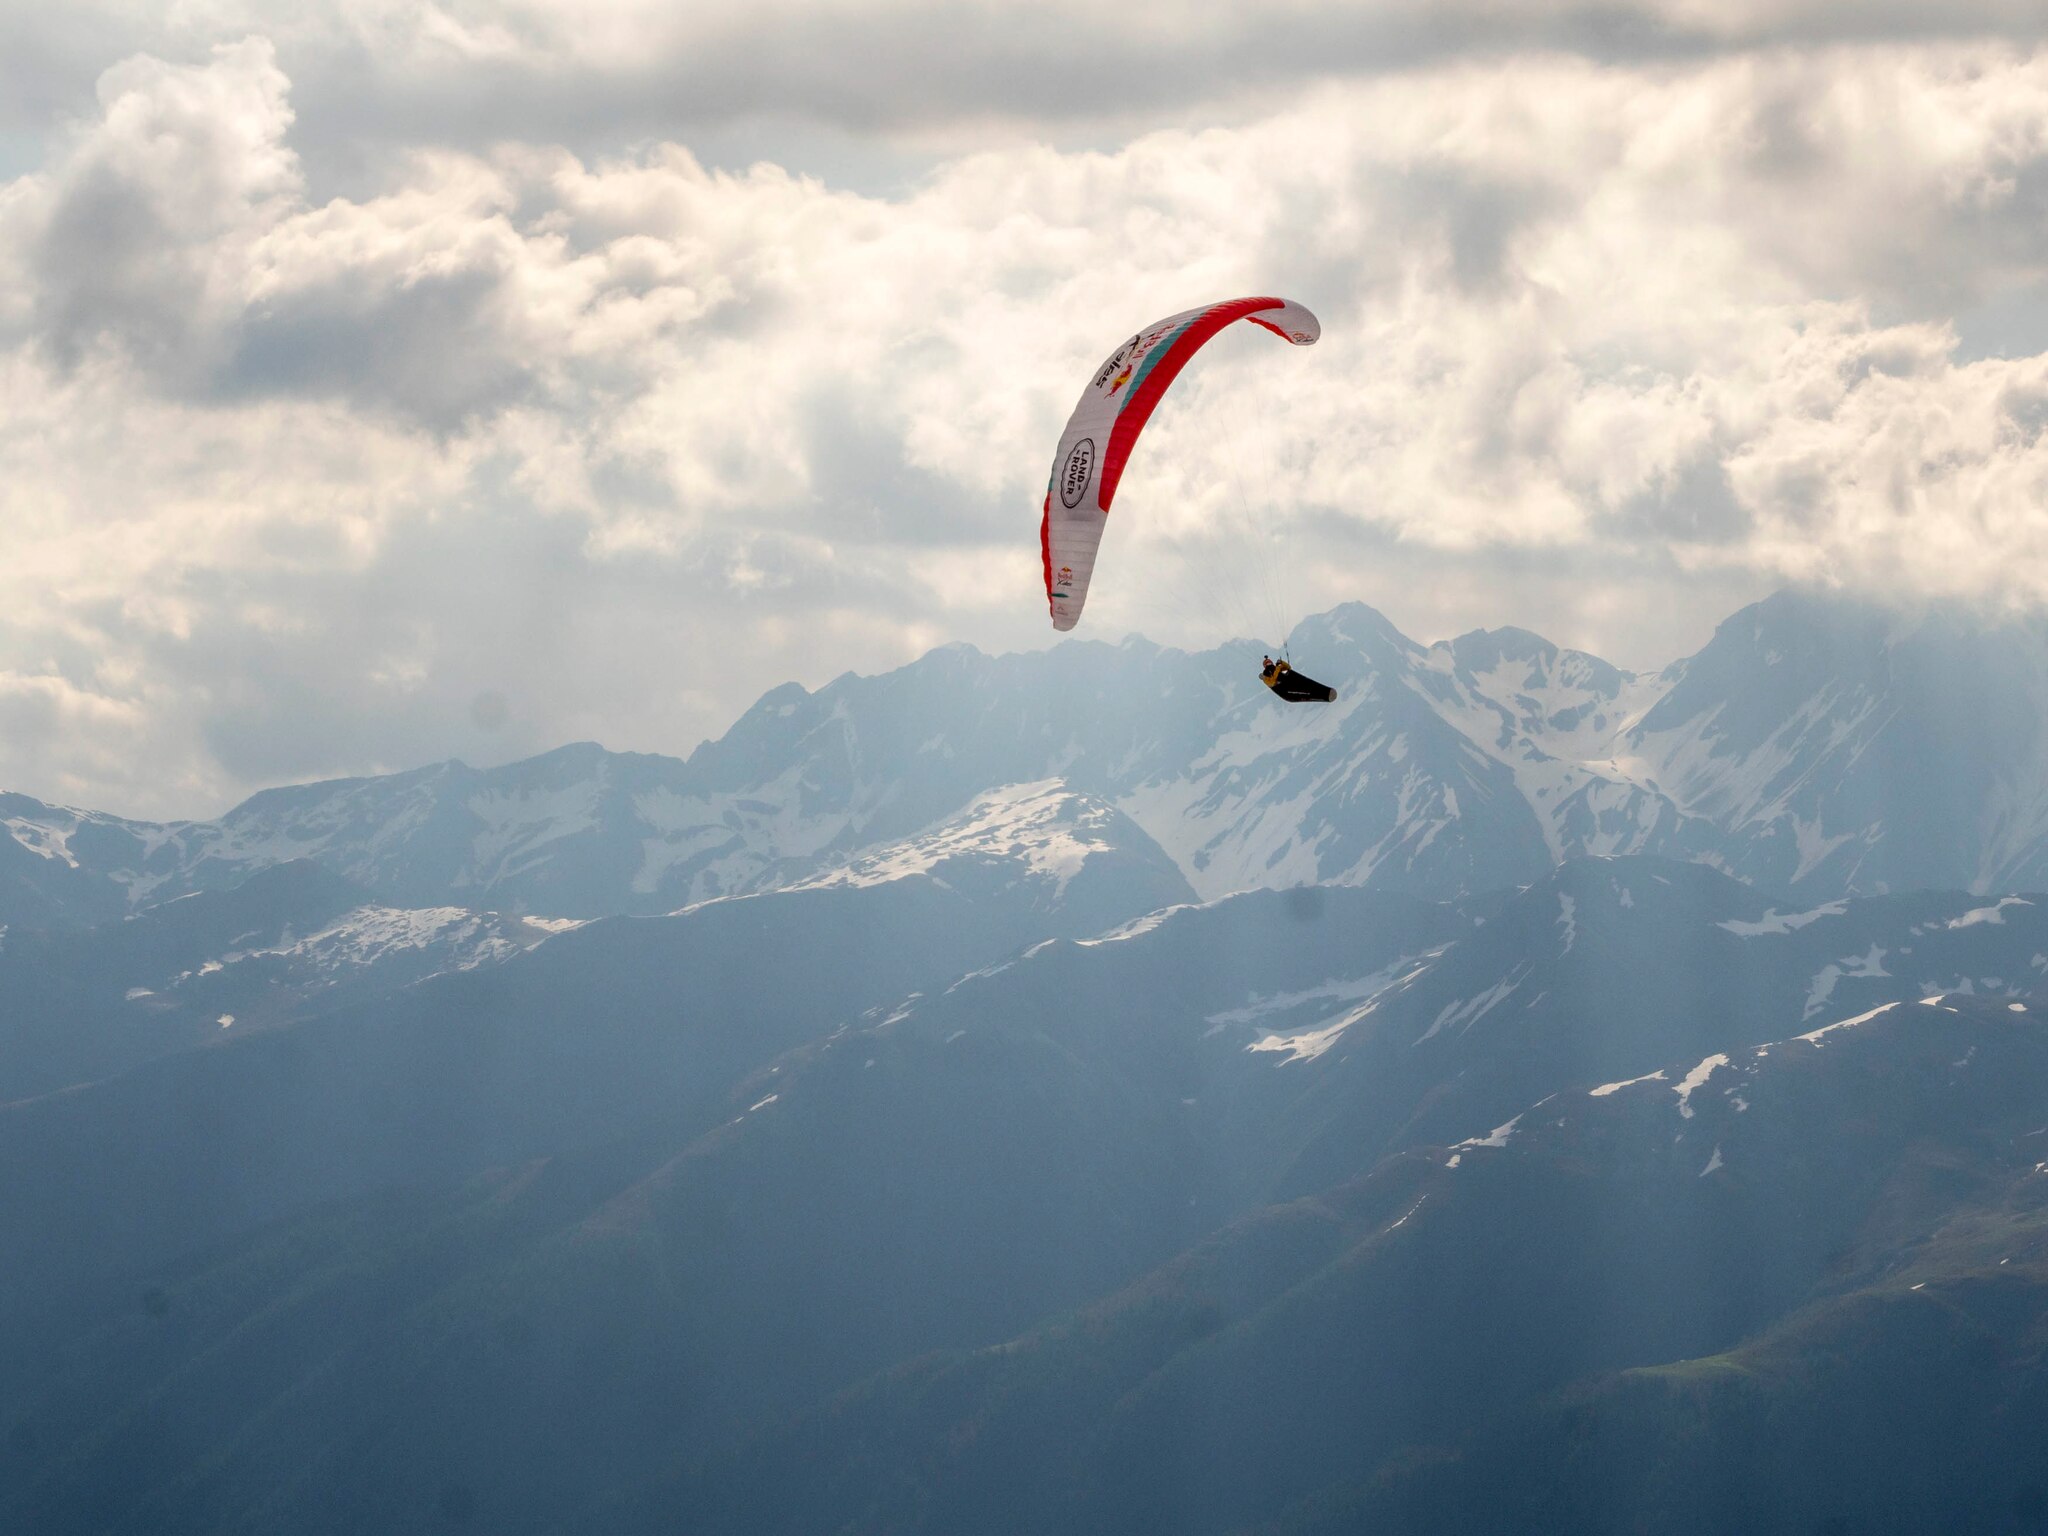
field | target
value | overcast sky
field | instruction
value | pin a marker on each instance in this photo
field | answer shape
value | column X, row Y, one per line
column 384, row 381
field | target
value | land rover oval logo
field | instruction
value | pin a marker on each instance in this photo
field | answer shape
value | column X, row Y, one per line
column 1074, row 475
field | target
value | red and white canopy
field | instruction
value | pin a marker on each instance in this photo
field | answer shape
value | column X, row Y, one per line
column 1104, row 428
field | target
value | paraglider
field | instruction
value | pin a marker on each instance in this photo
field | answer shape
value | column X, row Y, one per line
column 1104, row 428
column 1293, row 686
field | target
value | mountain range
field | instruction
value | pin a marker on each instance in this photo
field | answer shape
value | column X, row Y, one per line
column 1069, row 1092
column 1324, row 1206
column 1817, row 746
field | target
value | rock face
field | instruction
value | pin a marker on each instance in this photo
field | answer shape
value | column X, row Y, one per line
column 1815, row 745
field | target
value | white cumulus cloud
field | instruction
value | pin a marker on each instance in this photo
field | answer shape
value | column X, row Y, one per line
column 515, row 441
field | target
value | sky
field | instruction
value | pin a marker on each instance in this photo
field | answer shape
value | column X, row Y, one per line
column 384, row 381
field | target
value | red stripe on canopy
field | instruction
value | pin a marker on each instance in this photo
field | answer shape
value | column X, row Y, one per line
column 1045, row 547
column 1123, row 437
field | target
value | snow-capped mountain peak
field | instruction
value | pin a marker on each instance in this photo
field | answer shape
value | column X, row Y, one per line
column 1816, row 745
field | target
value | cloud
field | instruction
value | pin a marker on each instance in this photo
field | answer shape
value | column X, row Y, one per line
column 404, row 74
column 515, row 446
column 185, row 167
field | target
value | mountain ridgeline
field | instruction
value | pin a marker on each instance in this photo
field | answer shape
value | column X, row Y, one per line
column 1067, row 1092
column 1816, row 746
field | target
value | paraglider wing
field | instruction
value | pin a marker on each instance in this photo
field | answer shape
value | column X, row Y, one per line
column 1104, row 428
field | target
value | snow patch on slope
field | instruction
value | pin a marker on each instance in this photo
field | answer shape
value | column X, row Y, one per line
column 1137, row 927
column 1048, row 829
column 1694, row 1080
column 1461, row 1014
column 519, row 825
column 1307, row 1044
column 44, row 839
column 737, row 837
column 1992, row 914
column 1862, row 1018
column 371, row 935
column 1498, row 1137
column 1628, row 1082
column 1868, row 966
column 1775, row 922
